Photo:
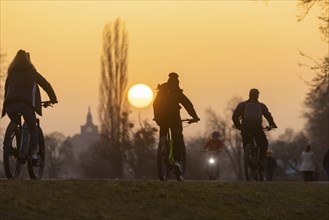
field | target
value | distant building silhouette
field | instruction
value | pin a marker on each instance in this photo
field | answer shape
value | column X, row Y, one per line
column 88, row 135
column 89, row 129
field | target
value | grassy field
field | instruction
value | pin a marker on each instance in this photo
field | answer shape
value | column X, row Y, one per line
column 111, row 199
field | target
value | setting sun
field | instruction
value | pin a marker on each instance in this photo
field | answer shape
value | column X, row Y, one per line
column 140, row 95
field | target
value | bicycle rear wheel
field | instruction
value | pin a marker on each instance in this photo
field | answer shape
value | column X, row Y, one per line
column 36, row 170
column 183, row 162
column 163, row 159
column 11, row 151
column 249, row 169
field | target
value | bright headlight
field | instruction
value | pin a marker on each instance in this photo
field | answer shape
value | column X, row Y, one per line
column 211, row 160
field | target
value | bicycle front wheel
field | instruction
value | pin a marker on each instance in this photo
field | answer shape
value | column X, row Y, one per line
column 259, row 171
column 11, row 151
column 163, row 159
column 36, row 170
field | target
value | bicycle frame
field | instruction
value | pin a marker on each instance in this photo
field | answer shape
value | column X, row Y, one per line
column 212, row 164
column 253, row 169
column 165, row 153
column 170, row 142
column 24, row 133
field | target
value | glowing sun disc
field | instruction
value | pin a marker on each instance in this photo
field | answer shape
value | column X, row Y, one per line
column 140, row 95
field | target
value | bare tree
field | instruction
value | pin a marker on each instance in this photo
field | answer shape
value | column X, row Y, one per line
column 141, row 152
column 306, row 5
column 317, row 99
column 317, row 105
column 113, row 109
column 53, row 142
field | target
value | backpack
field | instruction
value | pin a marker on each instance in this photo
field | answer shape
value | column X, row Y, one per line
column 252, row 115
column 163, row 104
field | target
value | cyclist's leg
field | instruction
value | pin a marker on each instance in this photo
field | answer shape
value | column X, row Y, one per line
column 246, row 137
column 30, row 119
column 179, row 150
column 178, row 139
column 261, row 142
column 163, row 131
column 12, row 110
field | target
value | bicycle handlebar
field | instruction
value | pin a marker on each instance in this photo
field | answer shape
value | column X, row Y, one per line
column 46, row 104
column 269, row 128
column 190, row 120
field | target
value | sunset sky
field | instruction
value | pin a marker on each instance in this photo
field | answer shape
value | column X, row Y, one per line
column 220, row 49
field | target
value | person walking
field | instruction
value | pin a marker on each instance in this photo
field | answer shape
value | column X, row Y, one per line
column 270, row 165
column 325, row 163
column 308, row 164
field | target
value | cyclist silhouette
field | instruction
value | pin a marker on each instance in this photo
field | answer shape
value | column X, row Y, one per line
column 22, row 96
column 247, row 117
column 166, row 108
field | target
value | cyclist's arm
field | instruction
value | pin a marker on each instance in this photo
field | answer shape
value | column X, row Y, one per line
column 6, row 89
column 4, row 97
column 45, row 85
column 236, row 117
column 187, row 104
column 268, row 115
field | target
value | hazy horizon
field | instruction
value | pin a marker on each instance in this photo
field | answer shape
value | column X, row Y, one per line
column 220, row 49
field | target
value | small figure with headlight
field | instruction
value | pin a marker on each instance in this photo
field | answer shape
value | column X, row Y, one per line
column 213, row 147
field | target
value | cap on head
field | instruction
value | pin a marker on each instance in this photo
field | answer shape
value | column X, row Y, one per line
column 173, row 79
column 173, row 75
column 253, row 93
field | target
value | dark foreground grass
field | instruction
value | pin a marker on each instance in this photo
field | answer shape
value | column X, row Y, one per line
column 101, row 199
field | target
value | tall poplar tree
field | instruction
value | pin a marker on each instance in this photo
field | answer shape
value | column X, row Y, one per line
column 113, row 108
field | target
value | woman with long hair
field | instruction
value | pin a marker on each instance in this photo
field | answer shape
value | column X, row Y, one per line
column 22, row 96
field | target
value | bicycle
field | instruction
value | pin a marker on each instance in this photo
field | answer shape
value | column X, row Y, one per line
column 212, row 164
column 165, row 155
column 253, row 167
column 17, row 139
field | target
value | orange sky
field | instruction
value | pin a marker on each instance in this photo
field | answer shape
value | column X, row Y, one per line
column 220, row 49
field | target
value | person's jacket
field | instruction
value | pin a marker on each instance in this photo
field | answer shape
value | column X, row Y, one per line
column 308, row 161
column 214, row 145
column 23, row 87
column 238, row 114
column 167, row 104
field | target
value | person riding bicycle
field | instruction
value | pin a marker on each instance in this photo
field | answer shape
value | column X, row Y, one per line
column 166, row 107
column 214, row 144
column 247, row 117
column 22, row 96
